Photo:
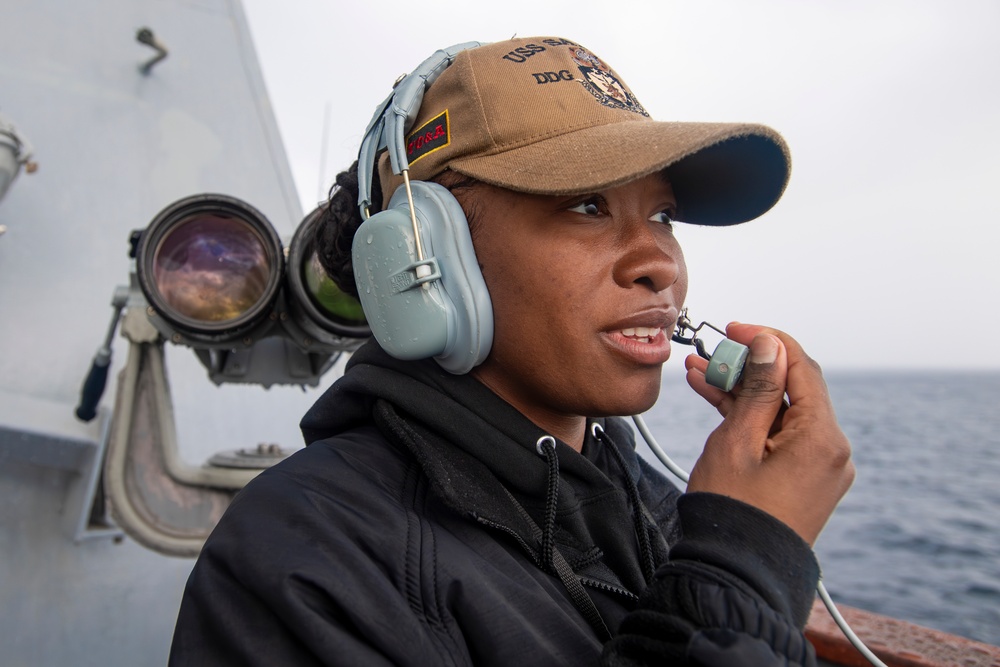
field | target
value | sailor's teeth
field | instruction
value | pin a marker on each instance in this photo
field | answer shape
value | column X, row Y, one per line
column 640, row 332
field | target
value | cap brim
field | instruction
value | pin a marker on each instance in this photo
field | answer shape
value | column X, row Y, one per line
column 722, row 173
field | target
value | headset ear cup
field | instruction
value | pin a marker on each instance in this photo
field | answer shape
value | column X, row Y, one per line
column 408, row 320
column 450, row 241
column 449, row 315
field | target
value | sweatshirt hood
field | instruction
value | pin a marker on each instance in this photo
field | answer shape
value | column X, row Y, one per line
column 456, row 408
column 479, row 451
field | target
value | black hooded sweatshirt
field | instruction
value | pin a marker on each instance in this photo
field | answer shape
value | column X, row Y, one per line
column 428, row 522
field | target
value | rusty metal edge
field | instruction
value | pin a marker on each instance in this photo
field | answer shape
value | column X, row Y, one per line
column 897, row 643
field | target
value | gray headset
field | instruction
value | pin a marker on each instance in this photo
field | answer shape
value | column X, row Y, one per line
column 414, row 264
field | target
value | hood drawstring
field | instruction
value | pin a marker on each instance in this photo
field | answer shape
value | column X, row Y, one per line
column 641, row 532
column 551, row 558
column 546, row 447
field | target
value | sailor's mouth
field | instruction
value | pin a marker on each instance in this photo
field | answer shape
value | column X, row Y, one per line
column 641, row 345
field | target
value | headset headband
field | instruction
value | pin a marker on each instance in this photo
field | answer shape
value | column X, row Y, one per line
column 395, row 116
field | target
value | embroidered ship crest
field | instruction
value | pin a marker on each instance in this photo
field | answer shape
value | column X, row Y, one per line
column 602, row 83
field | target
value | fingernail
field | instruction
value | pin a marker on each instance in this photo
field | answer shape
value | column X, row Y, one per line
column 764, row 349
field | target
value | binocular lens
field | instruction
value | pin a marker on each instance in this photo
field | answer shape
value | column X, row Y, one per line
column 328, row 297
column 212, row 269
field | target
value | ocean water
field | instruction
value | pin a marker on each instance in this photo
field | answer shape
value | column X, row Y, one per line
column 918, row 535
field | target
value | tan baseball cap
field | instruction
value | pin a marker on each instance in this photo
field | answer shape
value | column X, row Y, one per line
column 545, row 115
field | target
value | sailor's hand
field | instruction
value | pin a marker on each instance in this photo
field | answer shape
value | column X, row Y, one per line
column 790, row 460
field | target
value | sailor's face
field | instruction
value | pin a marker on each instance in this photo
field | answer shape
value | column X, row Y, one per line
column 586, row 291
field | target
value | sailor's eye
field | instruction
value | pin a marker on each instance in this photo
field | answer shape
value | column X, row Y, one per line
column 588, row 207
column 664, row 218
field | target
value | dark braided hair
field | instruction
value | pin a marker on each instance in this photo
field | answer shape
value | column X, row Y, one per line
column 339, row 220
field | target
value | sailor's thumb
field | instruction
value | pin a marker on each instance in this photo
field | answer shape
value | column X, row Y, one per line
column 762, row 387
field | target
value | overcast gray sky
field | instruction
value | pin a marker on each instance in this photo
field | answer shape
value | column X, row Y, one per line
column 883, row 251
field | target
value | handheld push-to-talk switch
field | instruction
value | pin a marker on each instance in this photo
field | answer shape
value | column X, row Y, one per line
column 725, row 364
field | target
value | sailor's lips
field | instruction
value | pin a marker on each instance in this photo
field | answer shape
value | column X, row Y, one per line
column 643, row 338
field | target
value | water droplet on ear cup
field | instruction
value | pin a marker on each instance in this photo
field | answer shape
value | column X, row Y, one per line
column 370, row 238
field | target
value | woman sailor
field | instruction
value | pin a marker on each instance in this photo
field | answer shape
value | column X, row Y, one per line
column 486, row 505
